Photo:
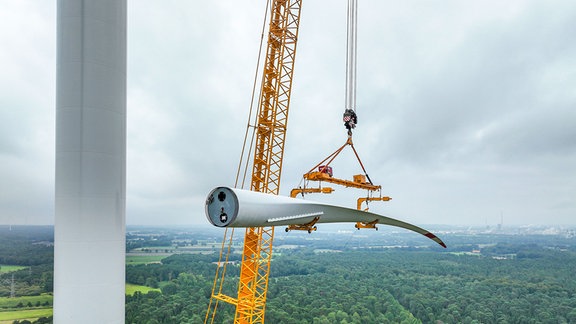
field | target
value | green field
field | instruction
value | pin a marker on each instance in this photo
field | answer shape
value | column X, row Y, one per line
column 29, row 314
column 17, row 308
column 131, row 289
column 10, row 268
column 12, row 303
column 143, row 259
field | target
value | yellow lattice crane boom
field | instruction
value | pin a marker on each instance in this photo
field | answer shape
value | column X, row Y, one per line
column 270, row 133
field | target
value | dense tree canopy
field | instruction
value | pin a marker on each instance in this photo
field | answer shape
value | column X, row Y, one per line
column 385, row 287
column 515, row 279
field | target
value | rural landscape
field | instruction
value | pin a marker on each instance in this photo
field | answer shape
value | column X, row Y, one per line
column 336, row 275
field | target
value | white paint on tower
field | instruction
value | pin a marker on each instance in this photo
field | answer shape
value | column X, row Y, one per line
column 90, row 200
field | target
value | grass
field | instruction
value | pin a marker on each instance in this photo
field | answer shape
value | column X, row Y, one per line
column 9, row 310
column 131, row 289
column 143, row 259
column 29, row 314
column 12, row 303
column 10, row 268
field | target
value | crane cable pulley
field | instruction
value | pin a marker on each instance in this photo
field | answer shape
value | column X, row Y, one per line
column 350, row 120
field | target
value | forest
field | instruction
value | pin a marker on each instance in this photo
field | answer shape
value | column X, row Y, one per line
column 478, row 279
column 380, row 287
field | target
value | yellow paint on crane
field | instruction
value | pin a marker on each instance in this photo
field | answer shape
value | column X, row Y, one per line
column 270, row 134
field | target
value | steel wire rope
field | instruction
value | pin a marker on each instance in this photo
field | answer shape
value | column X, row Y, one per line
column 213, row 304
column 351, row 54
column 248, row 126
column 220, row 274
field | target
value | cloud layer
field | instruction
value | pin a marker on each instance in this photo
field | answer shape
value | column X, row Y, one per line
column 466, row 110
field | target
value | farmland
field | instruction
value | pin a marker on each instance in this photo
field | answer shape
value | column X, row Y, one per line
column 10, row 268
column 26, row 307
column 327, row 277
column 131, row 289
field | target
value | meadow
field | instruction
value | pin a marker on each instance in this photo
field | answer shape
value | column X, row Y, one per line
column 131, row 289
column 25, row 308
column 10, row 268
column 143, row 259
column 9, row 317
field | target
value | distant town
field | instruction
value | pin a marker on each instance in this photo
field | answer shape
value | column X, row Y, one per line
column 339, row 237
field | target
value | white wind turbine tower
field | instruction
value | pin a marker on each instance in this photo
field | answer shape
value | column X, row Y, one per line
column 90, row 200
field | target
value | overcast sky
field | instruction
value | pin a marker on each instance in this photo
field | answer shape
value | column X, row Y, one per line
column 467, row 110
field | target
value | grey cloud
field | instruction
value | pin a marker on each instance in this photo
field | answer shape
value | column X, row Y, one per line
column 466, row 109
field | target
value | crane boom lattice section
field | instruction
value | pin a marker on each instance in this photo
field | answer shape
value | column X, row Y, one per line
column 268, row 154
column 270, row 130
column 275, row 95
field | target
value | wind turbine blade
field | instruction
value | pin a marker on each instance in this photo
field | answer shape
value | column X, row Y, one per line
column 229, row 207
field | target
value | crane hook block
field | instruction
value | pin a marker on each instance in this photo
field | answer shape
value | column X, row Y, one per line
column 350, row 119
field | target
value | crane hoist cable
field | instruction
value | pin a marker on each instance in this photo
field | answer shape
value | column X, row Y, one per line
column 323, row 171
column 350, row 118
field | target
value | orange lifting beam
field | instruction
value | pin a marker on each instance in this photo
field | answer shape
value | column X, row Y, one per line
column 297, row 191
column 359, row 180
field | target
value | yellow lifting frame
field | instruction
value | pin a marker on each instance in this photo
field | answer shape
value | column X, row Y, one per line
column 359, row 180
